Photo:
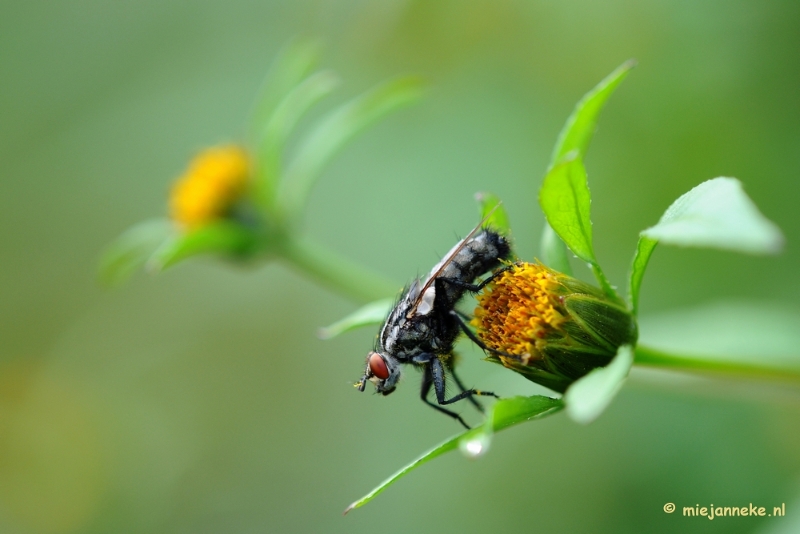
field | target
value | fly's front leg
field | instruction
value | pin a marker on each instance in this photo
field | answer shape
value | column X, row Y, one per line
column 475, row 288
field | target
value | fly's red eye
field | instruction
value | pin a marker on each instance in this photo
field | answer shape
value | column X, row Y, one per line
column 377, row 366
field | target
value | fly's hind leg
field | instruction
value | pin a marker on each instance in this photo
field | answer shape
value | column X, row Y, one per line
column 434, row 375
column 460, row 385
column 437, row 374
column 427, row 382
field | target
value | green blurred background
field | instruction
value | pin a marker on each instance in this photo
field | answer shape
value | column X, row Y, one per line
column 201, row 400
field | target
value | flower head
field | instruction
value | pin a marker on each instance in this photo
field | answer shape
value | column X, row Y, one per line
column 215, row 180
column 548, row 326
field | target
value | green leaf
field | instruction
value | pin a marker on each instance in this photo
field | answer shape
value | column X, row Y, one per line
column 334, row 131
column 281, row 124
column 715, row 214
column 492, row 207
column 516, row 410
column 566, row 204
column 129, row 252
column 506, row 413
column 756, row 339
column 588, row 397
column 580, row 127
column 373, row 313
column 223, row 237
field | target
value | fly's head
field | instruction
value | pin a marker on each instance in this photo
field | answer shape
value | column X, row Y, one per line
column 383, row 371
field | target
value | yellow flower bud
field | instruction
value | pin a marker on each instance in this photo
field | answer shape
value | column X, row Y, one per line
column 215, row 180
column 548, row 326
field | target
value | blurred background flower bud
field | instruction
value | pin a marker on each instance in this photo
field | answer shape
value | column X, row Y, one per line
column 216, row 179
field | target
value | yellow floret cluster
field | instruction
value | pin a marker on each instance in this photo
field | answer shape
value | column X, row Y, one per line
column 520, row 309
column 215, row 180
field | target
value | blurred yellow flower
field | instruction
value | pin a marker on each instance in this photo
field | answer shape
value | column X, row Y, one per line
column 215, row 180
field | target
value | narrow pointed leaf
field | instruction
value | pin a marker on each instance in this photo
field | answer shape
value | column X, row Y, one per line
column 335, row 130
column 505, row 413
column 282, row 122
column 129, row 252
column 373, row 313
column 580, row 127
column 223, row 237
column 492, row 207
column 509, row 412
column 588, row 397
column 715, row 214
column 293, row 64
column 516, row 410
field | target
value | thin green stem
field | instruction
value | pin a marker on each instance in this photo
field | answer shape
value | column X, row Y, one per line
column 644, row 249
column 338, row 273
column 656, row 358
column 604, row 283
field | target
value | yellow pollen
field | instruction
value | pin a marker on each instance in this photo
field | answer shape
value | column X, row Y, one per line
column 520, row 310
column 214, row 181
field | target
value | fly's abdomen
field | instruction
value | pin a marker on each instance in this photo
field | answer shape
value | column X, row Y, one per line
column 479, row 255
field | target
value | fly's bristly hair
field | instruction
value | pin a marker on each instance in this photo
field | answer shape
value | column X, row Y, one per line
column 423, row 325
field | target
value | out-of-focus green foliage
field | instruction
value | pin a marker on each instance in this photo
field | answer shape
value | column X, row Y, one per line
column 265, row 214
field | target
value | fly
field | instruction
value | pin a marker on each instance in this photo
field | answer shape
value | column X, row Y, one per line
column 422, row 328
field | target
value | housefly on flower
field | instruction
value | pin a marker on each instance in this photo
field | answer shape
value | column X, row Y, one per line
column 422, row 328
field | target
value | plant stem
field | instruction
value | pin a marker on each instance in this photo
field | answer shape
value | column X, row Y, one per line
column 336, row 272
column 604, row 283
column 656, row 358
